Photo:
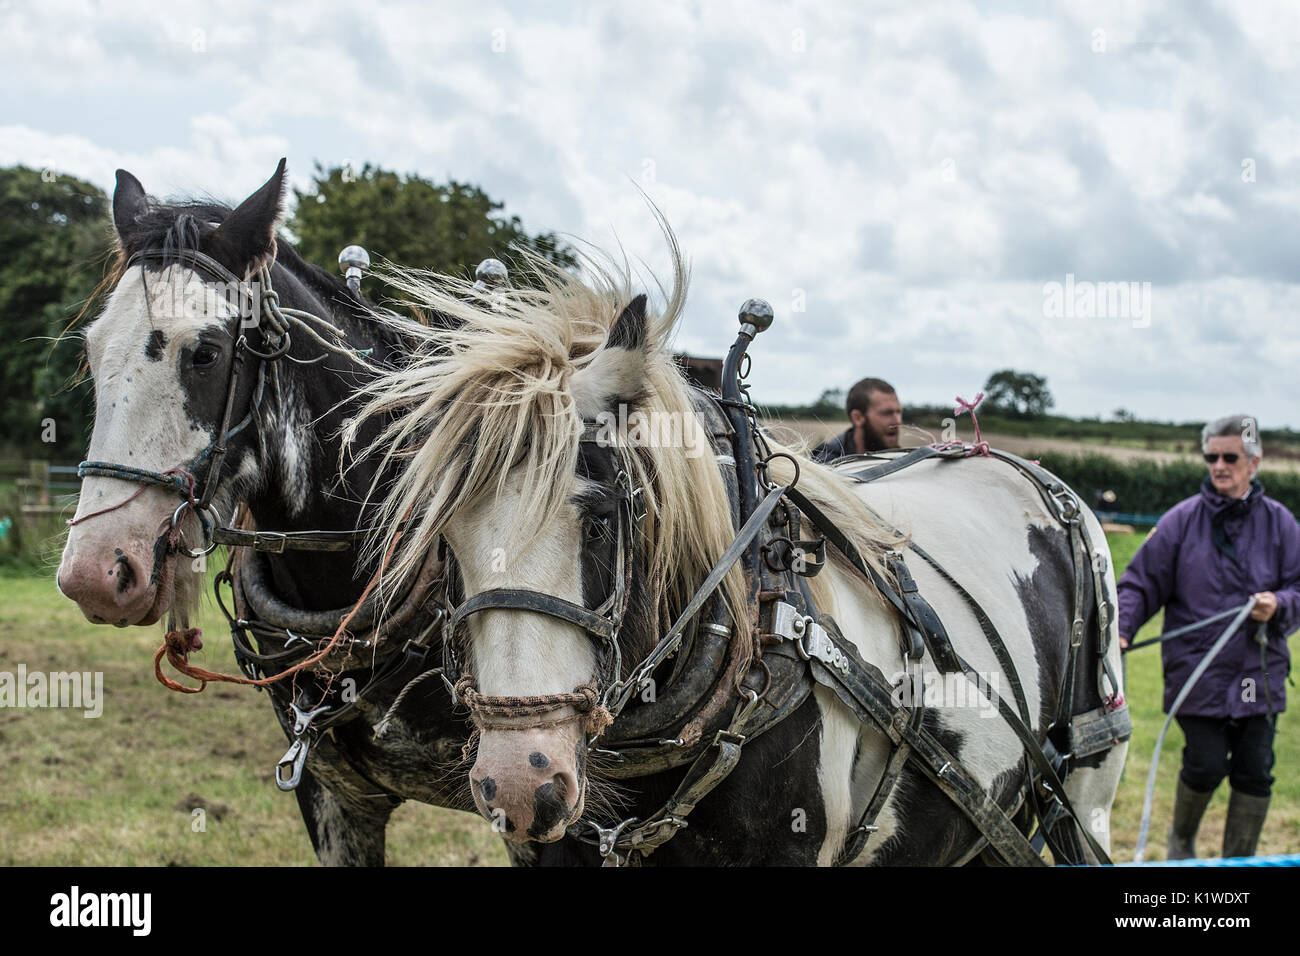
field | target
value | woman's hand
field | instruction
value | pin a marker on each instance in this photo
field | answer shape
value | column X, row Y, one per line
column 1266, row 606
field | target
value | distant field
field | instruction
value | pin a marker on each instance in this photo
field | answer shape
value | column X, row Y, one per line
column 118, row 790
column 815, row 432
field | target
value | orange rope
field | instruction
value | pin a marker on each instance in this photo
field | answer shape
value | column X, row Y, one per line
column 178, row 643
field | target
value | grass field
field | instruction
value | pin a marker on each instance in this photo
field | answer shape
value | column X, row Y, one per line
column 119, row 789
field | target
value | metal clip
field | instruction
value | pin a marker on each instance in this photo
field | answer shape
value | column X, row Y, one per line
column 607, row 840
column 289, row 643
column 294, row 758
column 302, row 718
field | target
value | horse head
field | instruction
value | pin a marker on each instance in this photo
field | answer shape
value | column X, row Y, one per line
column 565, row 528
column 161, row 355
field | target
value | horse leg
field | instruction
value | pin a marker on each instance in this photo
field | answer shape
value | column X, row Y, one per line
column 344, row 830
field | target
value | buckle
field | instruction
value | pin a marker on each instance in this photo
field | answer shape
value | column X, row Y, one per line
column 269, row 542
column 1066, row 501
column 729, row 737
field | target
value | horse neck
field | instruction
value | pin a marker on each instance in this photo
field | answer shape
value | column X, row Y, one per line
column 300, row 488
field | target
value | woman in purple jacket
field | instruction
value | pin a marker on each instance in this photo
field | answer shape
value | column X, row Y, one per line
column 1208, row 554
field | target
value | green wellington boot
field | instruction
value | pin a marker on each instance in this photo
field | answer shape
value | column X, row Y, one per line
column 1189, row 807
column 1245, row 820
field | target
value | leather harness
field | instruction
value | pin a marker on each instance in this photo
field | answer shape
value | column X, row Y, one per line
column 797, row 645
column 788, row 619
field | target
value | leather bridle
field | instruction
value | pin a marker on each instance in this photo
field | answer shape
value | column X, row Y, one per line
column 275, row 335
column 602, row 623
column 273, row 323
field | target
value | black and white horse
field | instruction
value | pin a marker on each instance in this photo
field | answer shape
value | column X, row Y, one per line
column 161, row 354
column 531, row 510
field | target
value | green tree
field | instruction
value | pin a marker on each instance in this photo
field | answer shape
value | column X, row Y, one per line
column 410, row 221
column 831, row 400
column 1018, row 393
column 51, row 235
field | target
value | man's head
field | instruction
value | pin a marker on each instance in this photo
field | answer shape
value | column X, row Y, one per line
column 874, row 410
column 1232, row 452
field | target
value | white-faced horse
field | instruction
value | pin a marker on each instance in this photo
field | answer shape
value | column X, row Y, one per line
column 203, row 402
column 574, row 540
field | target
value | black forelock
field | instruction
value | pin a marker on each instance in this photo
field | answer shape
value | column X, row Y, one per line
column 173, row 229
column 177, row 228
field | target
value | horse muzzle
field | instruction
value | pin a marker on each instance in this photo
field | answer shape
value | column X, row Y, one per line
column 117, row 575
column 526, row 781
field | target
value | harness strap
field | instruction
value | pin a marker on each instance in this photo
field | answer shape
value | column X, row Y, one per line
column 1030, row 744
column 721, row 567
column 863, row 689
column 708, row 770
column 1065, row 505
column 102, row 469
column 933, row 632
column 893, row 463
column 987, row 627
column 914, row 648
column 516, row 599
column 1065, row 702
column 856, row 839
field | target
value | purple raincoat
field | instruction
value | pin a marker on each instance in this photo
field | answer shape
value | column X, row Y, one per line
column 1181, row 568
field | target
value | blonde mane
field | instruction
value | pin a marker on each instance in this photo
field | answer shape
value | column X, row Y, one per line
column 493, row 394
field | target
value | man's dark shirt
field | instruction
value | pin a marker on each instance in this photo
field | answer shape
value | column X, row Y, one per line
column 842, row 445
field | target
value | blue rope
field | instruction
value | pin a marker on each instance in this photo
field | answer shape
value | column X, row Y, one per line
column 1279, row 859
column 1200, row 669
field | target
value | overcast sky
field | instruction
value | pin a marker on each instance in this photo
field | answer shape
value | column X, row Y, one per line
column 904, row 182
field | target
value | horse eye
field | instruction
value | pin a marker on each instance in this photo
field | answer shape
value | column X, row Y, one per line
column 205, row 356
column 597, row 526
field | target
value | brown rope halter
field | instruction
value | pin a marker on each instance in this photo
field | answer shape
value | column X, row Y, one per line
column 584, row 699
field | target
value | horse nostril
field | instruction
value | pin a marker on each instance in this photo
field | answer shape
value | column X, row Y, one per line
column 561, row 782
column 125, row 574
column 488, row 787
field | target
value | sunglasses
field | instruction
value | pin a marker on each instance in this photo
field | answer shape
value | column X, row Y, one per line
column 1228, row 457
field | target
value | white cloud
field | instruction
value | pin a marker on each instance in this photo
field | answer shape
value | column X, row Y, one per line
column 917, row 170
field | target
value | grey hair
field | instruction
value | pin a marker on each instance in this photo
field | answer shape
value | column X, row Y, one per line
column 1244, row 427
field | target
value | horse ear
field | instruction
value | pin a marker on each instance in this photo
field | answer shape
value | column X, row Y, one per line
column 617, row 373
column 248, row 234
column 129, row 201
column 629, row 329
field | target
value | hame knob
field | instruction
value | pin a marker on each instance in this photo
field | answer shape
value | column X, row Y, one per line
column 490, row 274
column 353, row 262
column 755, row 316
